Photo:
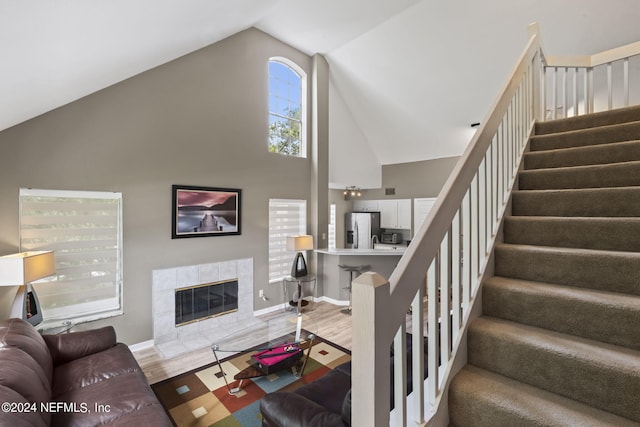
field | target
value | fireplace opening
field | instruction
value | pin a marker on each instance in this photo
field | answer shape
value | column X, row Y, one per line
column 204, row 301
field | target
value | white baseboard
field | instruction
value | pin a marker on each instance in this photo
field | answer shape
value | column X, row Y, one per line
column 333, row 301
column 141, row 345
column 278, row 307
column 268, row 310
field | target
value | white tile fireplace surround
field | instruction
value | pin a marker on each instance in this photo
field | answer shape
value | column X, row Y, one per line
column 172, row 341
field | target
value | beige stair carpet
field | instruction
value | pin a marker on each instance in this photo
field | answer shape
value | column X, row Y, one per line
column 558, row 343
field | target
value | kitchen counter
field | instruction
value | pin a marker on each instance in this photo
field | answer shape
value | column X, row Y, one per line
column 391, row 250
column 334, row 280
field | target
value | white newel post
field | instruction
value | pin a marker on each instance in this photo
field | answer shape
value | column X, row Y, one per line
column 370, row 370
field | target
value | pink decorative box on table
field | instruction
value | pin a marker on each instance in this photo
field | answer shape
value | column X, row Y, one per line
column 277, row 358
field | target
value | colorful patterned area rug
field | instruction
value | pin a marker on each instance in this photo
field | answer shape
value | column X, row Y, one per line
column 200, row 397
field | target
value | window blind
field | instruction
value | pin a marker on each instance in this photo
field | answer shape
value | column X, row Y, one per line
column 332, row 226
column 84, row 229
column 286, row 218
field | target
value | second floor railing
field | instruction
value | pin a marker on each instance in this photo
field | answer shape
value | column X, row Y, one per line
column 576, row 85
column 450, row 253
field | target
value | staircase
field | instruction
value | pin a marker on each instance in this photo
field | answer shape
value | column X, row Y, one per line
column 558, row 343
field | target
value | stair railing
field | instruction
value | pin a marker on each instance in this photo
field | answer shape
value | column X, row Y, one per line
column 576, row 85
column 448, row 257
column 450, row 253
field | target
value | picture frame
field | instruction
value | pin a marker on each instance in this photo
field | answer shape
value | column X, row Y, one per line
column 205, row 211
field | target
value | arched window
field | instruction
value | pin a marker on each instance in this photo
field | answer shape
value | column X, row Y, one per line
column 287, row 108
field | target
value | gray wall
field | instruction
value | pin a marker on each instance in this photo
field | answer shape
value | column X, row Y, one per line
column 198, row 120
column 410, row 180
column 415, row 179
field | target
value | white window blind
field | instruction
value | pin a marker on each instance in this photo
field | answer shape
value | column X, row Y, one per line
column 84, row 229
column 286, row 218
column 332, row 226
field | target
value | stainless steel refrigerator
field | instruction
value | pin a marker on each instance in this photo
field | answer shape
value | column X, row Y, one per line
column 359, row 228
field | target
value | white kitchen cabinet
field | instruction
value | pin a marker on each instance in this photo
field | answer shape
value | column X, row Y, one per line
column 404, row 214
column 395, row 214
column 388, row 213
column 421, row 208
column 365, row 205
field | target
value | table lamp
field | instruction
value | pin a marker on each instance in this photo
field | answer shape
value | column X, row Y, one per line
column 299, row 244
column 20, row 270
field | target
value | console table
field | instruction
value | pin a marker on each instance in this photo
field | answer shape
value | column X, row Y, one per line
column 300, row 284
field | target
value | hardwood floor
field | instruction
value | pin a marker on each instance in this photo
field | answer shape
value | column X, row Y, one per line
column 331, row 324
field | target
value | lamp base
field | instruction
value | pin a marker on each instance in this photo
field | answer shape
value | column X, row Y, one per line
column 19, row 303
column 26, row 305
column 299, row 267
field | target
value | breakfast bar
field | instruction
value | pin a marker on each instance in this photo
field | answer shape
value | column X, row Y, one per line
column 335, row 280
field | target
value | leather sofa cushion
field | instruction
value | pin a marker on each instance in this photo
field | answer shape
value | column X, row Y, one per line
column 66, row 347
column 318, row 403
column 20, row 334
column 20, row 418
column 346, row 408
column 21, row 373
column 286, row 409
column 344, row 368
column 92, row 369
column 91, row 372
column 328, row 390
column 127, row 397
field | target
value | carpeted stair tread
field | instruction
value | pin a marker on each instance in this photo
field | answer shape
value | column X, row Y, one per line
column 581, row 312
column 625, row 174
column 612, row 271
column 558, row 341
column 614, row 234
column 601, row 202
column 481, row 398
column 577, row 138
column 580, row 156
column 593, row 373
column 603, row 118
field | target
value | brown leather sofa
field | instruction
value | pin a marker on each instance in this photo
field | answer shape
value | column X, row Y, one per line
column 325, row 402
column 77, row 379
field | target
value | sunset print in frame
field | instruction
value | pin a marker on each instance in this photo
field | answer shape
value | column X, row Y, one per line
column 205, row 211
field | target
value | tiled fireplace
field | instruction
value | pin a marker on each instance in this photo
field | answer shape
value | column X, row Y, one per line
column 172, row 340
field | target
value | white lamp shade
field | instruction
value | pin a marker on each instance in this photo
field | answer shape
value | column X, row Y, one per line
column 26, row 267
column 300, row 243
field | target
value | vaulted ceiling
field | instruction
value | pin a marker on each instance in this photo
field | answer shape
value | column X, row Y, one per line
column 412, row 74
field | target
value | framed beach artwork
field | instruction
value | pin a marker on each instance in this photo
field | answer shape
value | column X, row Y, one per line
column 204, row 211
